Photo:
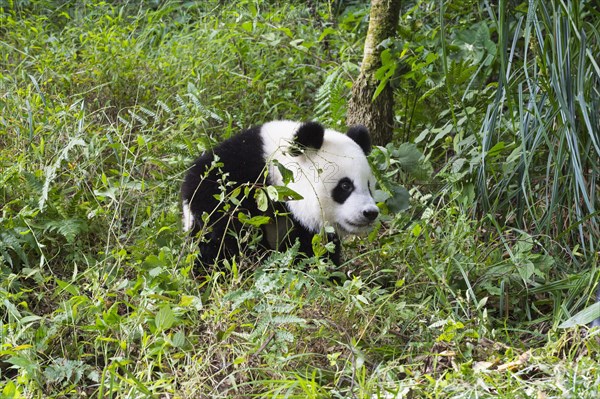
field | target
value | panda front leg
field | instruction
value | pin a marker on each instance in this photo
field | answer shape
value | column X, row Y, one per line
column 336, row 255
column 215, row 247
column 305, row 237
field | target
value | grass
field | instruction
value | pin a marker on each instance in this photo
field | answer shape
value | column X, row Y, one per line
column 103, row 106
column 550, row 114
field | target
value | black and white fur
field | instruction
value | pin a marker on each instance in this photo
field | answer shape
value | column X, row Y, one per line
column 331, row 173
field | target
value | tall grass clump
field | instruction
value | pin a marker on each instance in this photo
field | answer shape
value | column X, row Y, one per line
column 539, row 159
column 540, row 153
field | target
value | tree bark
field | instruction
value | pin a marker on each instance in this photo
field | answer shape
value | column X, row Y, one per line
column 377, row 115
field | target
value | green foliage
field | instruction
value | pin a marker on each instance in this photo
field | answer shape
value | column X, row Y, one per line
column 549, row 129
column 398, row 164
column 272, row 300
column 103, row 105
column 513, row 132
column 514, row 136
column 331, row 97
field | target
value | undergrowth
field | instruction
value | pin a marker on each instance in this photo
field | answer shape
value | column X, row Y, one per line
column 103, row 106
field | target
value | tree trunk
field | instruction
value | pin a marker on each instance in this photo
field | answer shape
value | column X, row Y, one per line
column 377, row 115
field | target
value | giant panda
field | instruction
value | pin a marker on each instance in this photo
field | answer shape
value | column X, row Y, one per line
column 330, row 173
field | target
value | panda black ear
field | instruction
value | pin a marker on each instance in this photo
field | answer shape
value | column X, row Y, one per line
column 309, row 135
column 361, row 136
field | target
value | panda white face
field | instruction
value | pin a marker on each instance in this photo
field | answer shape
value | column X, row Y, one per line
column 355, row 209
column 346, row 191
column 331, row 172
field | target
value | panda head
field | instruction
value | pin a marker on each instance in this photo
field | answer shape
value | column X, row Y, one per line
column 332, row 174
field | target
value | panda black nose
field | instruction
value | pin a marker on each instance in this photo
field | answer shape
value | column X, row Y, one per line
column 371, row 214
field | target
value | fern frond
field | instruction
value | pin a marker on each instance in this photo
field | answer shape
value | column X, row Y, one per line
column 203, row 110
column 33, row 182
column 182, row 104
column 287, row 319
column 164, row 107
column 459, row 73
column 68, row 228
column 50, row 171
column 137, row 117
column 331, row 99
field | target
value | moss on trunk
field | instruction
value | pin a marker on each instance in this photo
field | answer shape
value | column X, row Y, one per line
column 377, row 115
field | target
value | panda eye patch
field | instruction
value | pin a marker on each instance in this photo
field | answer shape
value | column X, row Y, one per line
column 342, row 190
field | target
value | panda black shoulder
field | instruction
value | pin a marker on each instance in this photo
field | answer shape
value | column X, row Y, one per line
column 243, row 155
column 241, row 158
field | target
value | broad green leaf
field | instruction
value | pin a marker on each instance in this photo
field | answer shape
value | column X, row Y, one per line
column 416, row 230
column 10, row 390
column 399, row 199
column 496, row 149
column 410, row 159
column 286, row 174
column 286, row 194
column 165, row 318
column 257, row 221
column 326, row 32
column 272, row 193
column 178, row 339
column 66, row 286
column 262, row 201
column 584, row 317
column 247, row 26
